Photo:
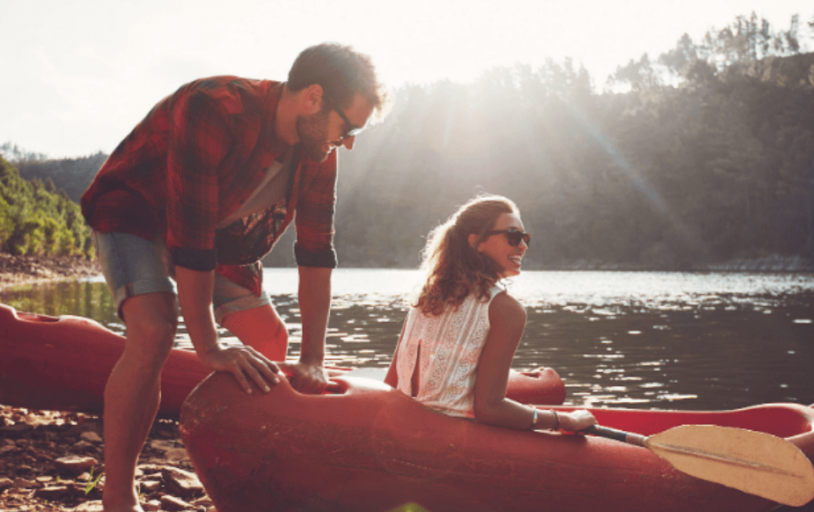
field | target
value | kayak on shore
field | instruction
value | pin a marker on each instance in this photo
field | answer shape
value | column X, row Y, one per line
column 367, row 447
column 62, row 364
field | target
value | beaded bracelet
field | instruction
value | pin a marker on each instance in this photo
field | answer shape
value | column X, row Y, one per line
column 533, row 419
column 556, row 421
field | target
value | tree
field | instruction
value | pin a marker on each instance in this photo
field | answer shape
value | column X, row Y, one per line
column 640, row 75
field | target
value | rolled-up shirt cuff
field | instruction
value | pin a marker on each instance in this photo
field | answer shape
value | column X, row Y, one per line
column 306, row 258
column 201, row 260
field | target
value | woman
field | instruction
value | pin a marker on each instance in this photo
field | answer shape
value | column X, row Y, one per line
column 459, row 339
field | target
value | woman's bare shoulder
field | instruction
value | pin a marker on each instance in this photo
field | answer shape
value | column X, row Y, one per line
column 507, row 308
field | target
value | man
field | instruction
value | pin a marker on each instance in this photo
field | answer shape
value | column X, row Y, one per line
column 199, row 191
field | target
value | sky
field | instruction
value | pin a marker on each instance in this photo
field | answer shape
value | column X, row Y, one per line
column 77, row 75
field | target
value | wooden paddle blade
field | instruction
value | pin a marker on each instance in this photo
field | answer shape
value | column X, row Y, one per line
column 753, row 462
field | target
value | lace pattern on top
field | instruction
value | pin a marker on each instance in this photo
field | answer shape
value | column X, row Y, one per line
column 451, row 345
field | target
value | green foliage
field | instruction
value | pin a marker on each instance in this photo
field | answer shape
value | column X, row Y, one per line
column 91, row 484
column 71, row 176
column 35, row 219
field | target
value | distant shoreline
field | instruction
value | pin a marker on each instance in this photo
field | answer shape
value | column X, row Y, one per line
column 20, row 270
column 771, row 263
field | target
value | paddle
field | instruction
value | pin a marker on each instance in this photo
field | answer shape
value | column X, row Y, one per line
column 753, row 462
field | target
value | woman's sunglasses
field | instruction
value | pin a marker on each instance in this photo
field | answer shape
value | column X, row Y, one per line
column 513, row 235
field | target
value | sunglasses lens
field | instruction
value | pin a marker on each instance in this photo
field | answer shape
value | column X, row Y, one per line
column 514, row 238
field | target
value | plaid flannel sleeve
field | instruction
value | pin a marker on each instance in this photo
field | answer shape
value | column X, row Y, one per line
column 315, row 218
column 199, row 141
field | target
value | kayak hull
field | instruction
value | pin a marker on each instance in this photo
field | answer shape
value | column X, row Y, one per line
column 368, row 447
column 62, row 363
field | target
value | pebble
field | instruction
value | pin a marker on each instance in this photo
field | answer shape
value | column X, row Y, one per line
column 22, row 483
column 181, row 483
column 76, row 462
column 52, row 492
column 172, row 503
column 151, row 506
column 176, row 454
column 162, row 444
column 204, row 501
column 90, row 506
column 78, row 430
column 82, row 446
column 149, row 486
column 91, row 437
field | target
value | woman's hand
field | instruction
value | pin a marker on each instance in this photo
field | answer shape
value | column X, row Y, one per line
column 576, row 420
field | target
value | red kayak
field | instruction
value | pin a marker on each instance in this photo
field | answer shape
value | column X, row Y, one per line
column 367, row 447
column 62, row 363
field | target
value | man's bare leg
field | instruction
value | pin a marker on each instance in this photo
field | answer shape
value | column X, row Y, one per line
column 260, row 328
column 133, row 394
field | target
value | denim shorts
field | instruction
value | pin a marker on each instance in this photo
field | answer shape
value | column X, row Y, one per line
column 135, row 266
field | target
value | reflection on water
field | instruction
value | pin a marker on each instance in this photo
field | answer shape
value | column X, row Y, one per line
column 88, row 298
column 631, row 339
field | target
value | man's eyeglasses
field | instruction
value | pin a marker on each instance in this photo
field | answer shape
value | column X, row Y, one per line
column 513, row 235
column 352, row 130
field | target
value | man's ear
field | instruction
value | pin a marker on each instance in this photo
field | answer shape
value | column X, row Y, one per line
column 312, row 99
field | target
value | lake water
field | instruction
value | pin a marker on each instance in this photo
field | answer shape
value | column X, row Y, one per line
column 663, row 340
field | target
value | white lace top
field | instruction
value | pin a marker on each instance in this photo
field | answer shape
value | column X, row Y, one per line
column 450, row 348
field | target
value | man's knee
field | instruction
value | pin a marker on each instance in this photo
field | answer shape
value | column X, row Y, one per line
column 160, row 333
column 151, row 327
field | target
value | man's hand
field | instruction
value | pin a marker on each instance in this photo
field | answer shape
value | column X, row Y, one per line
column 246, row 364
column 306, row 377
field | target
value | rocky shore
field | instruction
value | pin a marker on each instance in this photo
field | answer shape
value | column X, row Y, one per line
column 51, row 461
column 54, row 462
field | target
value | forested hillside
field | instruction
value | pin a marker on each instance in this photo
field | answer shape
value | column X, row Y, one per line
column 709, row 157
column 701, row 155
column 73, row 175
column 662, row 178
column 36, row 219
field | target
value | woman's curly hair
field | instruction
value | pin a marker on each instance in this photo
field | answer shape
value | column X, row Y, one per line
column 454, row 267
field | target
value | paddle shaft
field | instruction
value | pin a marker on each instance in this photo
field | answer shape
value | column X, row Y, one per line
column 618, row 435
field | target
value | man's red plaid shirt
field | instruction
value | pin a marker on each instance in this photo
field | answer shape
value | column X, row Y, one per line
column 193, row 160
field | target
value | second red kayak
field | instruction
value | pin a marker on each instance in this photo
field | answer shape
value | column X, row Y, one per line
column 62, row 363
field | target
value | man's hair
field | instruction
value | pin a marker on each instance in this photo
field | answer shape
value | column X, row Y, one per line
column 340, row 71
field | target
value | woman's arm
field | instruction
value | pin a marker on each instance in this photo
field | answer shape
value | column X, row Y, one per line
column 507, row 320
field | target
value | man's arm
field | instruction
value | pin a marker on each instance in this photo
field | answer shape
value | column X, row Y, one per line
column 315, row 307
column 195, row 297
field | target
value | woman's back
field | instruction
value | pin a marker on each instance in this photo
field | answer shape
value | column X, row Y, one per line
column 443, row 352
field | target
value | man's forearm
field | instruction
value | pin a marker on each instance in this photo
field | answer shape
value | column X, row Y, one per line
column 315, row 307
column 195, row 298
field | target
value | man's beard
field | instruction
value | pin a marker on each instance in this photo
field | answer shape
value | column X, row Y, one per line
column 313, row 134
